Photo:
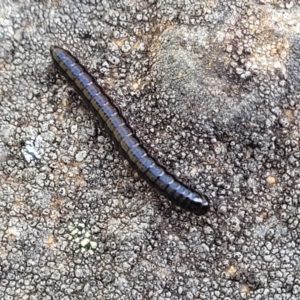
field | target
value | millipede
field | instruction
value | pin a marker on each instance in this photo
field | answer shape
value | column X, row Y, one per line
column 123, row 135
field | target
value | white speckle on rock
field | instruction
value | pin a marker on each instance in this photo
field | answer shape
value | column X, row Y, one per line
column 32, row 149
column 73, row 129
column 80, row 156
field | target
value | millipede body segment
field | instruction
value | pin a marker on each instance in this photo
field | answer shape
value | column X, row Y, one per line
column 123, row 135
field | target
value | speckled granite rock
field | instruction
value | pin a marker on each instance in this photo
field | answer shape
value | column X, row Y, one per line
column 212, row 89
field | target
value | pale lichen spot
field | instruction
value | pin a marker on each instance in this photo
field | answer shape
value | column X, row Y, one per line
column 82, row 236
column 51, row 241
column 232, row 270
column 271, row 180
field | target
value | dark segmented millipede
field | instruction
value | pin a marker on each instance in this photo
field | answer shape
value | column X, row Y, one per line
column 123, row 135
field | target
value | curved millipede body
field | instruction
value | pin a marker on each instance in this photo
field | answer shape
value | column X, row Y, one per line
column 123, row 135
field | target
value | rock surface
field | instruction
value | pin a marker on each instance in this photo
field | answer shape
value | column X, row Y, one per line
column 212, row 89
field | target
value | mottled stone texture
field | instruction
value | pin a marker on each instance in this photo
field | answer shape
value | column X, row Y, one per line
column 212, row 89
